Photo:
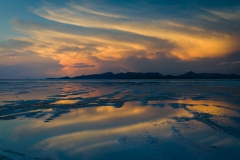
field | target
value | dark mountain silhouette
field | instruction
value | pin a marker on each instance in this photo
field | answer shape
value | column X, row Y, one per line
column 190, row 75
column 65, row 77
column 193, row 75
column 154, row 75
column 128, row 75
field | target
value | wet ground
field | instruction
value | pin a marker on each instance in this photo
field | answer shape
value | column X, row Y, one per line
column 119, row 119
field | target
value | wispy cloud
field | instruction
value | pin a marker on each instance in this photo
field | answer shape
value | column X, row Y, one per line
column 193, row 41
column 83, row 65
column 231, row 64
column 94, row 12
column 86, row 37
column 72, row 45
column 229, row 14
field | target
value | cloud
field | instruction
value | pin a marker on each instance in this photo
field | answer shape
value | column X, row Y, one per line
column 28, row 66
column 194, row 40
column 14, row 43
column 229, row 14
column 223, row 63
column 88, row 37
column 73, row 45
column 93, row 12
column 231, row 64
column 83, row 65
column 18, row 60
column 236, row 63
column 14, row 47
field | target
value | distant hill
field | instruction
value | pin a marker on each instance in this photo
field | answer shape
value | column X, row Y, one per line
column 193, row 75
column 128, row 75
column 154, row 75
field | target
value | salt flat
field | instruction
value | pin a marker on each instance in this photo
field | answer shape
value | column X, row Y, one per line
column 119, row 119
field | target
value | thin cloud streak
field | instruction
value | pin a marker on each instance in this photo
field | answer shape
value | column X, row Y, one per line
column 193, row 41
column 72, row 44
column 86, row 37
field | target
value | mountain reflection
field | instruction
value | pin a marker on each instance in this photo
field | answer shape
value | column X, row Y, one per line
column 124, row 120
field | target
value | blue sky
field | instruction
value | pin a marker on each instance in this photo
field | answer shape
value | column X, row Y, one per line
column 65, row 37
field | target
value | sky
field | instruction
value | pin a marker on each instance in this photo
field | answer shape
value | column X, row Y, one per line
column 56, row 38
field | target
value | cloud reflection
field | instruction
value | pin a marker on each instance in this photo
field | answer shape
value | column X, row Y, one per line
column 98, row 129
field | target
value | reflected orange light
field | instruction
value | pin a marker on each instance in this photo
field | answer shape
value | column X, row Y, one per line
column 213, row 110
column 106, row 114
column 66, row 102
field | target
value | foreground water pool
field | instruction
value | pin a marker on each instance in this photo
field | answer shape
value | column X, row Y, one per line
column 119, row 119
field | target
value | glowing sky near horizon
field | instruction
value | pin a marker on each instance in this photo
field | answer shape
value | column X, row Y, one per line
column 66, row 37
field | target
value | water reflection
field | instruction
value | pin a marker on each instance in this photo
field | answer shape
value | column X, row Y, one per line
column 109, row 116
column 120, row 121
column 87, row 132
column 96, row 128
column 66, row 102
column 214, row 110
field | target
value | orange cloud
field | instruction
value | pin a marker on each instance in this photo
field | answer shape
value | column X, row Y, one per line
column 192, row 41
column 91, row 37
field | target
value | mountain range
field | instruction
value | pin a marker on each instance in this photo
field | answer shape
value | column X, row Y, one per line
column 154, row 75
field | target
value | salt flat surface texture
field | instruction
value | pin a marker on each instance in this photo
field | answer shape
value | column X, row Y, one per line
column 119, row 119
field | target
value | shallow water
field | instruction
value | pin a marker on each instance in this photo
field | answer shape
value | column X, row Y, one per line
column 119, row 119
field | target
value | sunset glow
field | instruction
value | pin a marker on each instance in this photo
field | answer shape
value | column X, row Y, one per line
column 86, row 37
